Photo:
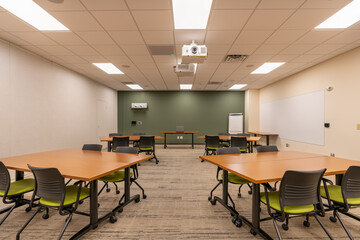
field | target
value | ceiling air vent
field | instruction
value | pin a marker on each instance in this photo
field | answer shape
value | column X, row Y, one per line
column 161, row 49
column 214, row 83
column 235, row 58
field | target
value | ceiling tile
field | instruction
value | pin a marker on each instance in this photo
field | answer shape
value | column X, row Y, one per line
column 105, row 4
column 243, row 49
column 65, row 38
column 283, row 57
column 95, row 59
column 171, row 60
column 78, row 21
column 228, row 19
column 13, row 39
column 141, row 59
column 316, row 36
column 154, row 20
column 56, row 50
column 325, row 4
column 267, row 19
column 219, row 49
column 37, row 50
column 119, row 60
column 158, row 37
column 72, row 59
column 115, row 20
column 285, row 36
column 96, row 38
column 253, row 37
column 133, row 50
column 35, row 38
column 127, row 37
column 270, row 49
column 213, row 58
column 235, row 4
column 72, row 5
column 146, row 4
column 307, row 18
column 184, row 36
column 82, row 50
column 11, row 23
column 298, row 48
column 325, row 48
column 280, row 4
column 108, row 50
column 348, row 36
column 258, row 58
column 220, row 37
column 305, row 58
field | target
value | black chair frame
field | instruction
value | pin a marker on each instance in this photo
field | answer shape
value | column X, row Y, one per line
column 148, row 142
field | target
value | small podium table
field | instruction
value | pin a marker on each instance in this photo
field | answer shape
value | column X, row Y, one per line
column 174, row 132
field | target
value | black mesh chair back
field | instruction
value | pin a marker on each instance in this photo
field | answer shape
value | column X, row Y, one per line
column 146, row 141
column 350, row 185
column 4, row 178
column 132, row 150
column 228, row 150
column 115, row 134
column 299, row 188
column 139, row 134
column 92, row 147
column 49, row 183
column 268, row 148
column 243, row 134
column 120, row 142
column 212, row 141
column 224, row 134
column 239, row 142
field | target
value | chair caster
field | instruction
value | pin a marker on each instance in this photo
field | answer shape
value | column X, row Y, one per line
column 213, row 202
column 108, row 190
column 81, row 202
column 137, row 200
column 285, row 227
column 252, row 232
column 120, row 210
column 157, row 163
column 306, row 223
column 144, row 196
column 250, row 192
column 237, row 222
column 209, row 198
column 45, row 216
column 28, row 209
column 117, row 191
column 113, row 219
column 239, row 195
column 202, row 160
column 333, row 219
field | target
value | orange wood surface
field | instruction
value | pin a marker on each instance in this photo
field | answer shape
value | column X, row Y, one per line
column 263, row 133
column 131, row 138
column 228, row 138
column 175, row 132
column 76, row 164
column 271, row 166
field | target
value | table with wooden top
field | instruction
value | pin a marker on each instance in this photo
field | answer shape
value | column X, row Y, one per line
column 270, row 167
column 131, row 138
column 227, row 138
column 184, row 132
column 264, row 134
column 85, row 166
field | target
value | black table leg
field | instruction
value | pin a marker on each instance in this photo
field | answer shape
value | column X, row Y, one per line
column 165, row 146
column 19, row 175
column 338, row 179
column 267, row 140
column 192, row 141
column 109, row 146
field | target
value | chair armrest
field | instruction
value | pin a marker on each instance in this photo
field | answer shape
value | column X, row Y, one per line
column 327, row 181
column 217, row 174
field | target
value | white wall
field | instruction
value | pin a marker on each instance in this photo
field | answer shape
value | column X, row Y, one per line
column 341, row 109
column 45, row 106
column 252, row 110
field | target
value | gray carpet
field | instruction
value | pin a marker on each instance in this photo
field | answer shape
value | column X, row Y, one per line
column 176, row 208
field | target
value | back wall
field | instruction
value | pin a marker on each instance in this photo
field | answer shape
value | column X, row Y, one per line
column 206, row 112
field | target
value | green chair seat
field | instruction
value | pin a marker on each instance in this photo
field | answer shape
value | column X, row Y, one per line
column 117, row 176
column 20, row 187
column 146, row 149
column 233, row 178
column 275, row 204
column 70, row 196
column 243, row 150
column 212, row 147
column 336, row 195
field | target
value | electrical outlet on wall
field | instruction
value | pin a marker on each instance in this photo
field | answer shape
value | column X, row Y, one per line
column 332, row 154
column 287, row 145
column 177, row 137
column 181, row 137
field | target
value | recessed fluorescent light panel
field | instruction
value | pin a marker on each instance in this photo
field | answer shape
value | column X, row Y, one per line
column 109, row 68
column 33, row 14
column 185, row 86
column 238, row 86
column 344, row 18
column 267, row 67
column 190, row 14
column 134, row 86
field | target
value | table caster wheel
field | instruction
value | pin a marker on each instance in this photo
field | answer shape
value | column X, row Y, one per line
column 113, row 219
column 213, row 202
column 252, row 232
column 117, row 191
column 306, row 223
column 28, row 209
column 237, row 222
column 45, row 216
column 285, row 227
column 333, row 219
column 108, row 190
column 250, row 192
column 239, row 195
column 137, row 200
column 144, row 196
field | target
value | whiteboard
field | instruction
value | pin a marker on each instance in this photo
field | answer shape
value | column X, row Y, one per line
column 299, row 118
column 235, row 123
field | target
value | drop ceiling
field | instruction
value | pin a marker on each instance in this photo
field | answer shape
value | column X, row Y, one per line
column 121, row 31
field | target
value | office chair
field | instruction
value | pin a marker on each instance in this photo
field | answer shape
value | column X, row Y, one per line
column 136, row 143
column 12, row 192
column 232, row 178
column 241, row 143
column 268, row 148
column 120, row 142
column 299, row 195
column 50, row 187
column 147, row 145
column 222, row 142
column 343, row 197
column 211, row 144
column 92, row 147
column 242, row 135
column 115, row 134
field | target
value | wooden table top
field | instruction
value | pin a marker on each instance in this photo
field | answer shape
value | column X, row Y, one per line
column 263, row 133
column 174, row 132
column 271, row 166
column 75, row 163
column 228, row 138
column 131, row 138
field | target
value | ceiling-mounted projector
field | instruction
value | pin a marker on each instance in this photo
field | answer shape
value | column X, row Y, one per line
column 193, row 53
column 185, row 70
